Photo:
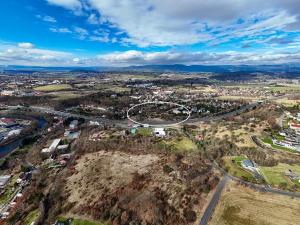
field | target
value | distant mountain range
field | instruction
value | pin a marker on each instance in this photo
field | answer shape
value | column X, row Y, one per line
column 164, row 68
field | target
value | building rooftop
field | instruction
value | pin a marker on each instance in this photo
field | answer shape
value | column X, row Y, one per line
column 248, row 163
column 4, row 179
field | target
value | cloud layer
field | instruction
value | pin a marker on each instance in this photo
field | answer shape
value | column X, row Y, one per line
column 166, row 32
column 199, row 58
column 28, row 54
column 185, row 22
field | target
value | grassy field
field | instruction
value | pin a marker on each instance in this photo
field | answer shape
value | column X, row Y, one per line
column 232, row 97
column 9, row 191
column 275, row 88
column 126, row 77
column 288, row 102
column 118, row 89
column 243, row 86
column 284, row 89
column 243, row 206
column 276, row 175
column 53, row 87
column 194, row 89
column 279, row 137
column 235, row 167
column 145, row 132
column 31, row 217
column 65, row 95
column 80, row 222
column 269, row 142
column 181, row 144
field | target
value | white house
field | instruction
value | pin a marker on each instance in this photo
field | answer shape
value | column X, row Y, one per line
column 159, row 132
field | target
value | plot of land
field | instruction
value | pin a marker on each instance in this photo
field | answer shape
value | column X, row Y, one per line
column 269, row 141
column 54, row 87
column 117, row 182
column 243, row 206
column 195, row 89
column 233, row 166
column 9, row 191
column 121, row 169
column 232, row 97
column 288, row 102
column 79, row 222
column 146, row 132
column 240, row 133
column 276, row 175
column 64, row 95
column 284, row 89
column 31, row 217
column 181, row 144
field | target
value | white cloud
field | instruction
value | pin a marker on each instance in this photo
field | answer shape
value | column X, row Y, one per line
column 76, row 60
column 69, row 4
column 60, row 30
column 199, row 58
column 16, row 54
column 26, row 45
column 93, row 19
column 186, row 22
column 161, row 23
column 100, row 39
column 27, row 54
column 49, row 19
column 81, row 32
column 46, row 18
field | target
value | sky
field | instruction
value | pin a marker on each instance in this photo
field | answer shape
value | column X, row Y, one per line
column 146, row 32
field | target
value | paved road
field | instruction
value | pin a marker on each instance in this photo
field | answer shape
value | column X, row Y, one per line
column 214, row 201
column 216, row 197
column 257, row 187
column 104, row 121
column 124, row 123
column 225, row 115
column 265, row 188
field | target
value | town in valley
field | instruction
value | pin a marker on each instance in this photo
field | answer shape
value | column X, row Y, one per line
column 71, row 150
column 149, row 112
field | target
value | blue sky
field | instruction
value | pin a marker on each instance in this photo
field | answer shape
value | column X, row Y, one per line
column 138, row 32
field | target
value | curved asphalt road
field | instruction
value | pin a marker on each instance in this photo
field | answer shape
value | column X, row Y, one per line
column 216, row 197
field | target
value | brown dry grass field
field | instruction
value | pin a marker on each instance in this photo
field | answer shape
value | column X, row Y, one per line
column 244, row 206
column 102, row 176
column 234, row 97
column 288, row 102
column 228, row 130
column 114, row 168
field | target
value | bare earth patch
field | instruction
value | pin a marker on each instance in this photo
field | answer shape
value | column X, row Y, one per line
column 121, row 187
column 101, row 168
